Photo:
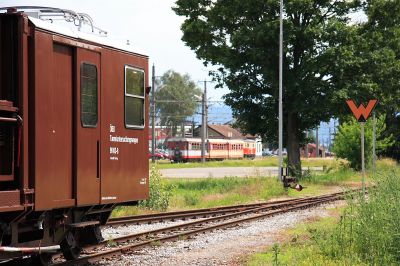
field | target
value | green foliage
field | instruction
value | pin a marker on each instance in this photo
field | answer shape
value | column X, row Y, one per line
column 371, row 68
column 332, row 178
column 212, row 192
column 262, row 162
column 191, row 199
column 242, row 38
column 219, row 185
column 160, row 192
column 111, row 243
column 347, row 144
column 303, row 249
column 368, row 230
column 276, row 251
column 176, row 96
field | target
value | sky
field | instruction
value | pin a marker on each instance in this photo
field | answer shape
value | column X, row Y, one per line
column 150, row 25
column 155, row 28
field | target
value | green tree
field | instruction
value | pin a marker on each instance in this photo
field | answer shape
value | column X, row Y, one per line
column 376, row 74
column 371, row 67
column 347, row 142
column 175, row 99
column 242, row 38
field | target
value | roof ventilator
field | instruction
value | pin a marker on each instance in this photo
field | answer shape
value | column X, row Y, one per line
column 51, row 14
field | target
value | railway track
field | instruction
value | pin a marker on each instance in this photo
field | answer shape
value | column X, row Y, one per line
column 244, row 213
column 189, row 214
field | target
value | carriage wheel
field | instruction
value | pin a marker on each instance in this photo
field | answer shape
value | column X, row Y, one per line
column 70, row 246
column 91, row 235
column 43, row 259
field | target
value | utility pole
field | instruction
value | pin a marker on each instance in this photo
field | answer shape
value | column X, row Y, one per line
column 329, row 140
column 306, row 148
column 153, row 115
column 192, row 127
column 204, row 123
column 317, row 143
column 334, row 127
column 280, row 135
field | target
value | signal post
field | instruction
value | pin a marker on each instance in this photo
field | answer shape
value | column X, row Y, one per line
column 362, row 114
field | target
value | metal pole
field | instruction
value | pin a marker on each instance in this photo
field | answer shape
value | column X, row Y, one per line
column 280, row 136
column 317, row 143
column 153, row 115
column 192, row 127
column 334, row 127
column 306, row 150
column 206, row 110
column 329, row 140
column 362, row 158
column 203, row 124
column 373, row 142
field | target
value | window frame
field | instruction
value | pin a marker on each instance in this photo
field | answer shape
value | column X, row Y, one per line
column 97, row 94
column 127, row 126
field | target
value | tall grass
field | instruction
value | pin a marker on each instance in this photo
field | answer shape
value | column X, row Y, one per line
column 365, row 232
column 258, row 162
column 369, row 229
column 211, row 192
column 331, row 177
column 176, row 194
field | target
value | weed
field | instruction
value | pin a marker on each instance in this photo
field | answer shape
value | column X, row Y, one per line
column 275, row 249
column 111, row 243
column 155, row 243
column 191, row 199
column 368, row 230
column 182, row 237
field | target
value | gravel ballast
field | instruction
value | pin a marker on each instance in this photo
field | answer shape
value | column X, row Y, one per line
column 221, row 247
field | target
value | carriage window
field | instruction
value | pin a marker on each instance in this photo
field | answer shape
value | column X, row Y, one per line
column 134, row 97
column 88, row 95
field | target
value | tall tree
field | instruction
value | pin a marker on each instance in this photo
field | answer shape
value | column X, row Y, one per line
column 175, row 99
column 243, row 38
column 371, row 68
column 382, row 34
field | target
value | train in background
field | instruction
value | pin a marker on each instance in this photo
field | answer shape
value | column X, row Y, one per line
column 189, row 149
column 73, row 132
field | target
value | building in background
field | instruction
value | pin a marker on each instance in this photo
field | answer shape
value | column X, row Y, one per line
column 312, row 151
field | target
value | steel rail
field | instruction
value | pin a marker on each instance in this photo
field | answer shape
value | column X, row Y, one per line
column 202, row 221
column 280, row 208
column 191, row 214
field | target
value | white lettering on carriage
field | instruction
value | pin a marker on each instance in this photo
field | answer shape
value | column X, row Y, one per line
column 124, row 139
column 112, row 128
column 109, row 198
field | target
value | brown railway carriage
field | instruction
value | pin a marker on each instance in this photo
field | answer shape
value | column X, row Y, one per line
column 73, row 133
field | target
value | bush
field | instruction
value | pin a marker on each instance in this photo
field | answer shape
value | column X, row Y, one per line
column 160, row 192
column 347, row 144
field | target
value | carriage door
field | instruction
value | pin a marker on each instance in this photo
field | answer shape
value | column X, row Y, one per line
column 87, row 124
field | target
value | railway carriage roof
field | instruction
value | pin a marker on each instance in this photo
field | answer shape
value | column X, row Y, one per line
column 79, row 35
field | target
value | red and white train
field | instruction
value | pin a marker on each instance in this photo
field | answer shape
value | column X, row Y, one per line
column 189, row 149
column 250, row 148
